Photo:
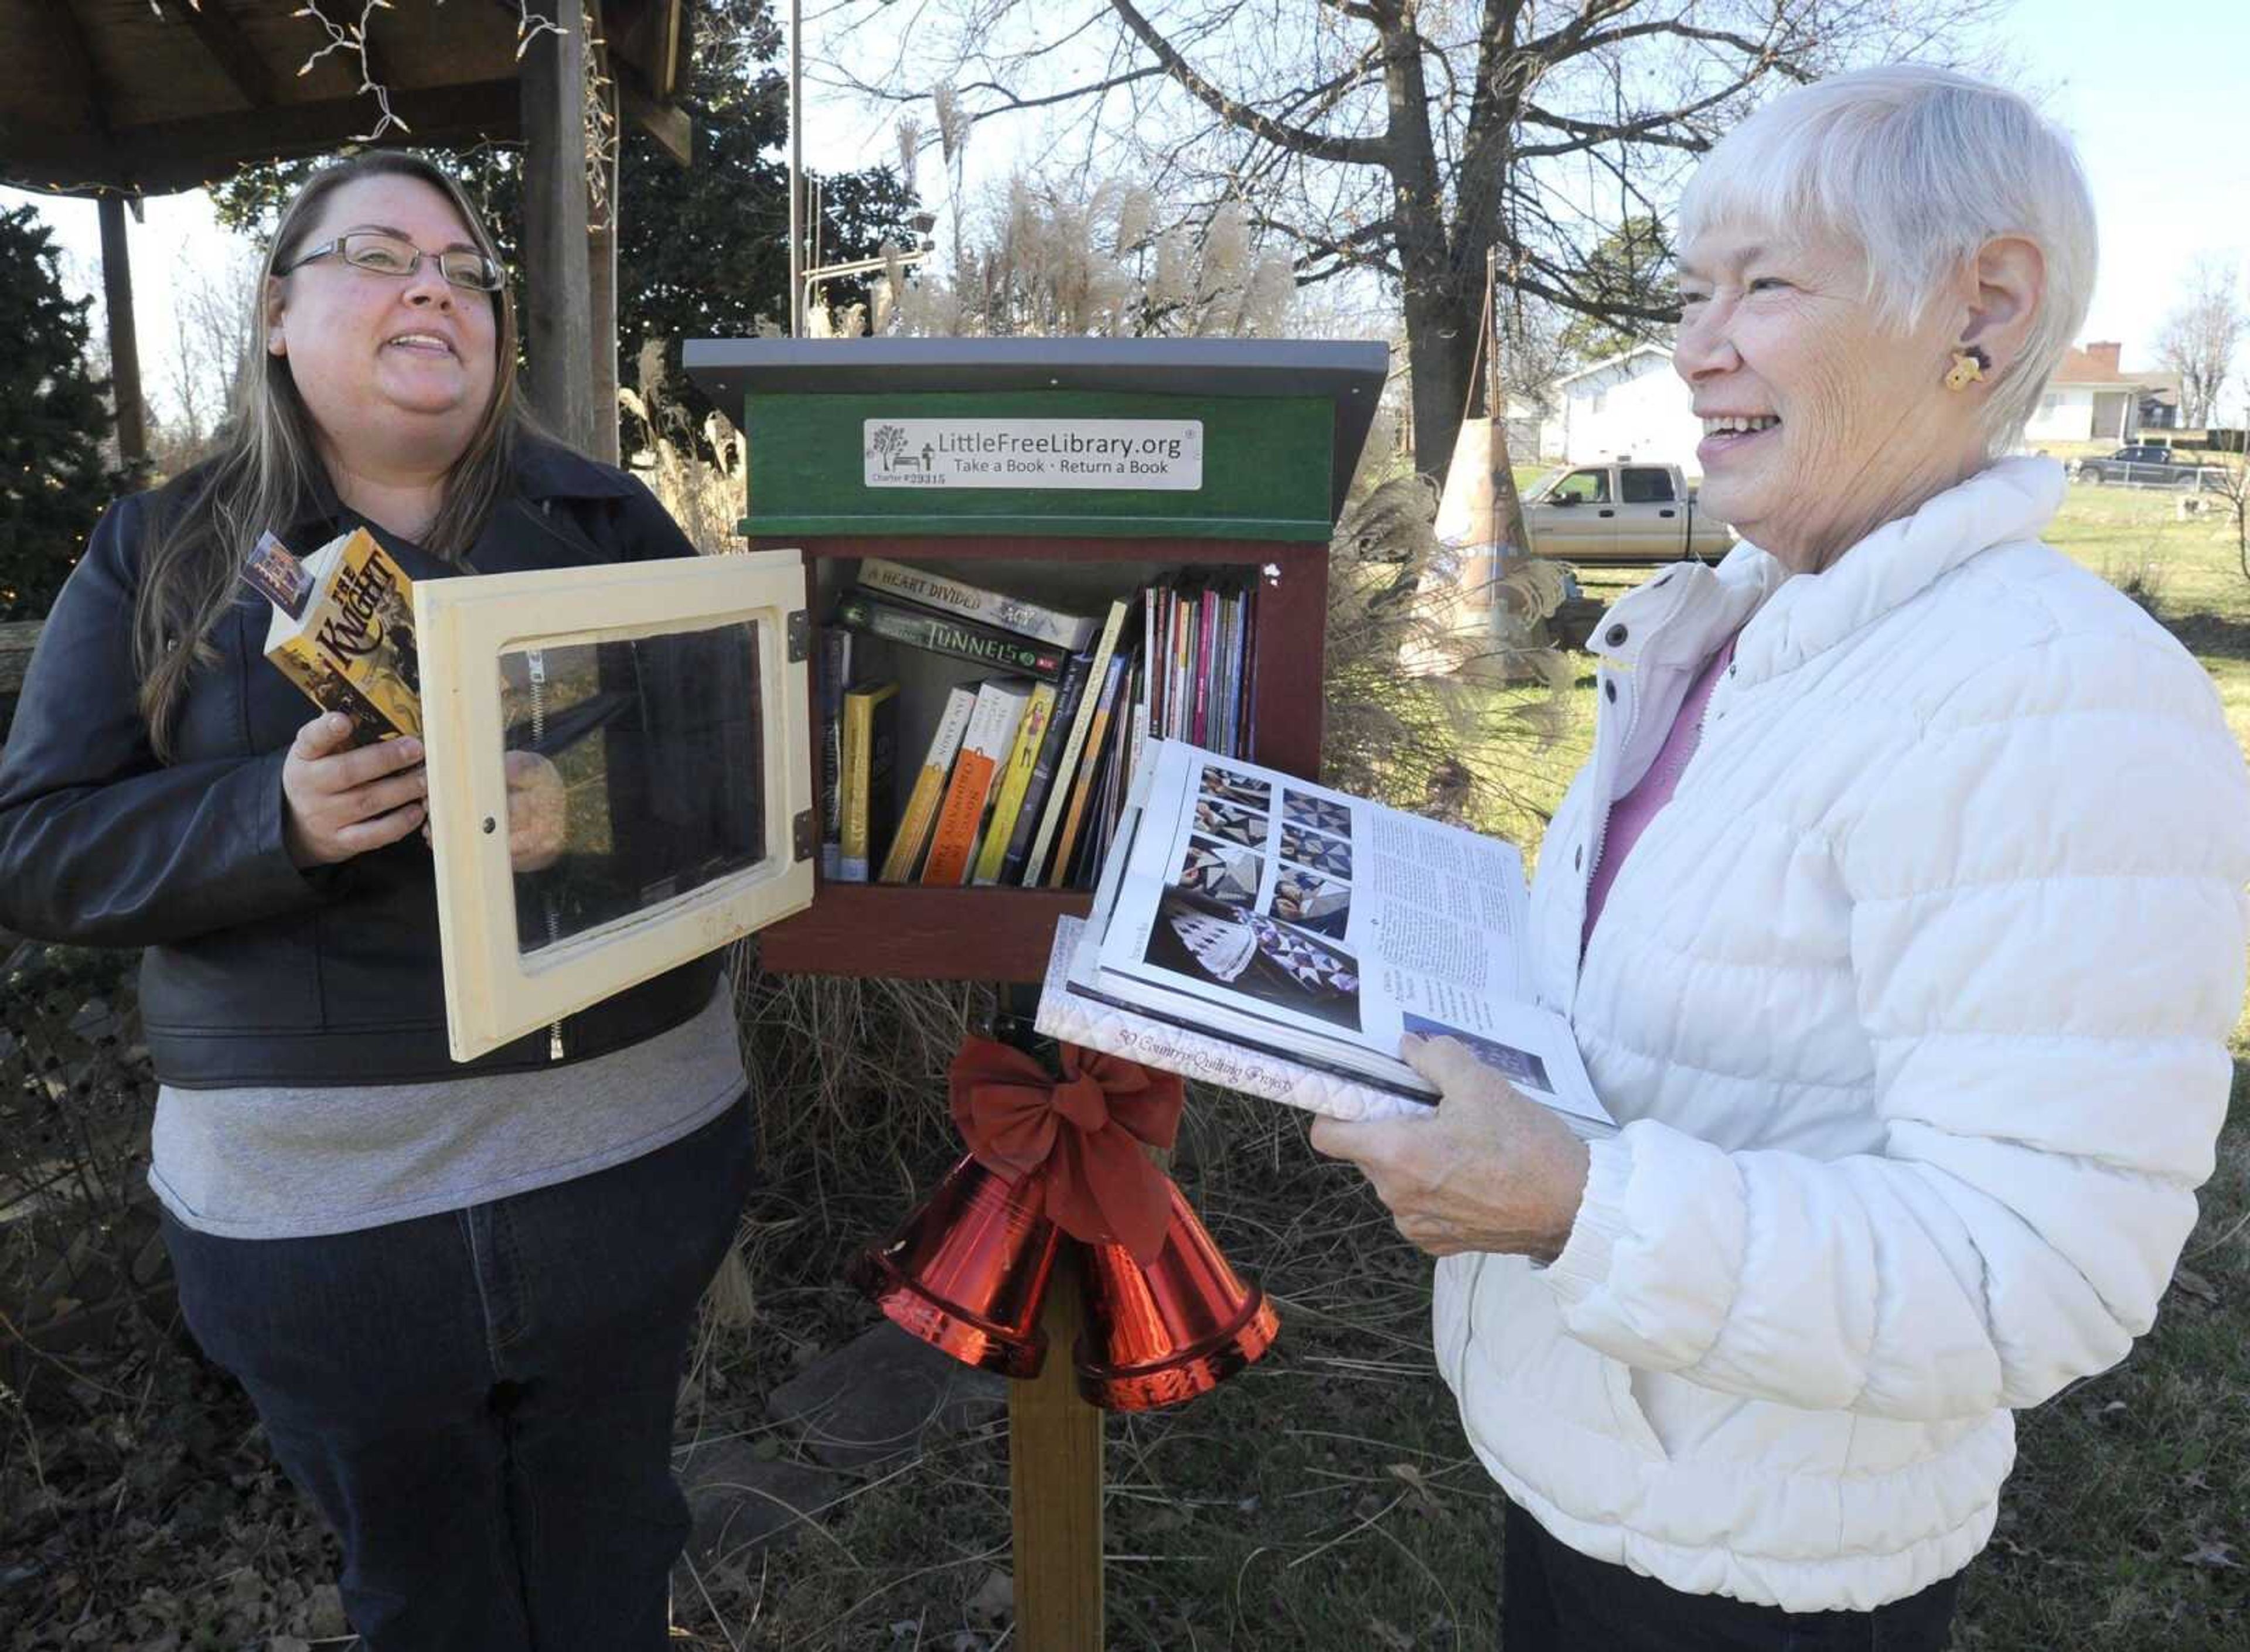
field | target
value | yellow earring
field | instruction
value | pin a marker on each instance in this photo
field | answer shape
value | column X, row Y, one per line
column 1968, row 367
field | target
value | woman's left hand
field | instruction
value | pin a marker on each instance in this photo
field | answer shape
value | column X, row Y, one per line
column 1489, row 1170
column 538, row 812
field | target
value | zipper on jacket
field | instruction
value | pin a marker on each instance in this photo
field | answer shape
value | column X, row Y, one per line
column 535, row 658
column 1602, row 826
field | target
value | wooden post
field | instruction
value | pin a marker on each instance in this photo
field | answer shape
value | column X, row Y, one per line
column 124, row 342
column 602, row 288
column 1055, row 1481
column 558, row 301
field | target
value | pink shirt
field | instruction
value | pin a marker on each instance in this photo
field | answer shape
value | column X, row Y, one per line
column 1630, row 815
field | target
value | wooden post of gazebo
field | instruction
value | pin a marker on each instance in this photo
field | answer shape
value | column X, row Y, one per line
column 124, row 342
column 558, row 297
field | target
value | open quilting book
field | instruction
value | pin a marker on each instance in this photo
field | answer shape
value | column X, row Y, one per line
column 1278, row 938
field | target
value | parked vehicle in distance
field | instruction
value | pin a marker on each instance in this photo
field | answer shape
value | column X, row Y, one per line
column 2146, row 465
column 1620, row 511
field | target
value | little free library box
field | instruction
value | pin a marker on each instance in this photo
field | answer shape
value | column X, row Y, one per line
column 1072, row 474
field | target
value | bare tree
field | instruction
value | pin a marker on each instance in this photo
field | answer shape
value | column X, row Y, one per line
column 2201, row 334
column 210, row 332
column 1401, row 139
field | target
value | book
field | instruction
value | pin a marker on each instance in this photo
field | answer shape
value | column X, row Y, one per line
column 1205, row 627
column 1000, row 702
column 919, row 585
column 1093, row 1024
column 1014, row 784
column 343, row 630
column 1248, row 916
column 835, row 672
column 1035, row 795
column 1105, row 649
column 921, row 811
column 1082, row 790
column 869, row 764
column 898, row 621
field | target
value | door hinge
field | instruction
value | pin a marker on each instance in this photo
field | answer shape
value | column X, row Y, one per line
column 800, row 635
column 803, row 839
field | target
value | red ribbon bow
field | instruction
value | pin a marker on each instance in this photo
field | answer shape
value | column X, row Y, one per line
column 1083, row 1136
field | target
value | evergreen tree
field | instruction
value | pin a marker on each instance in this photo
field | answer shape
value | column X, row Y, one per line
column 1630, row 272
column 53, row 480
column 703, row 250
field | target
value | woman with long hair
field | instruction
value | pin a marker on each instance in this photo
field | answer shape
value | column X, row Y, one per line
column 459, row 1294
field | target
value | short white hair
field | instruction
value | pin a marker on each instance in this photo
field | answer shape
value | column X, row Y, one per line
column 1916, row 166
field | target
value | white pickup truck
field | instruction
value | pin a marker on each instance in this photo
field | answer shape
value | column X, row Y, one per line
column 1620, row 511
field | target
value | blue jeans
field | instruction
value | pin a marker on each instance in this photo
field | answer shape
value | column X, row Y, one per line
column 1553, row 1598
column 481, row 1402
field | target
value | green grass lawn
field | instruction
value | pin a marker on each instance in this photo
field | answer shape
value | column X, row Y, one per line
column 1325, row 1501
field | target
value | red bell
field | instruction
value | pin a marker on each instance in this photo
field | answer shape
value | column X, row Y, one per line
column 967, row 1271
column 1157, row 1335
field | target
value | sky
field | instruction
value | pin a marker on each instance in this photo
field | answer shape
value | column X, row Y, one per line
column 2159, row 128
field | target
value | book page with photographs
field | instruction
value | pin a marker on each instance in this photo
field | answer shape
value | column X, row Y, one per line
column 1304, row 920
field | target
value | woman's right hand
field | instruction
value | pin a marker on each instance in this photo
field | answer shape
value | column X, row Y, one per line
column 339, row 801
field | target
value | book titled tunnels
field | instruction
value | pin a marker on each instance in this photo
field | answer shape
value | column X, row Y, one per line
column 941, row 634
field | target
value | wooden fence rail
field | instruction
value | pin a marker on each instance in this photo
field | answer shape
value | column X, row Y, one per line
column 17, row 638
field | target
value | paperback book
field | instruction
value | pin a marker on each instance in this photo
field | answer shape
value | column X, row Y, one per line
column 1242, row 910
column 942, row 634
column 995, row 608
column 343, row 630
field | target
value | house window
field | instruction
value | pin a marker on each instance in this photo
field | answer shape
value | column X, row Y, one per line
column 2048, row 402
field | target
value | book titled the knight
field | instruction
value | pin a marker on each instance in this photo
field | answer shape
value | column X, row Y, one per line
column 343, row 630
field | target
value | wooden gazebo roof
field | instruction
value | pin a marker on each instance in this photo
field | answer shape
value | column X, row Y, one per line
column 120, row 99
column 153, row 96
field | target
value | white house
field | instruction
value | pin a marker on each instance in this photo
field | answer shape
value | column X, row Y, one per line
column 2092, row 399
column 1631, row 404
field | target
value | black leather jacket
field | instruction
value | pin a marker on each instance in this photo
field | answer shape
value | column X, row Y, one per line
column 257, row 972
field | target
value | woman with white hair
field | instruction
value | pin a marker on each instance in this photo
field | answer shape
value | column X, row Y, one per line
column 1899, row 913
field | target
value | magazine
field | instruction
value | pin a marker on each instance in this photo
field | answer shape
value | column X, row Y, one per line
column 1252, row 908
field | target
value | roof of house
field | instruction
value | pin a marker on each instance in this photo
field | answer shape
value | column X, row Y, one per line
column 1611, row 361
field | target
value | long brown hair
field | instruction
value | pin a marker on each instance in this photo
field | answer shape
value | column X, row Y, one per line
column 265, row 470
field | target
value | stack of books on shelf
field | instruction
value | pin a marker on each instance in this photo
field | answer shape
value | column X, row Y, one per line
column 1024, row 778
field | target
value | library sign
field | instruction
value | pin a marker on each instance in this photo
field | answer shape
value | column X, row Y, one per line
column 1033, row 453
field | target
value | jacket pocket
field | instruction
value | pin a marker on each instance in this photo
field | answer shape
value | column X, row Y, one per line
column 1634, row 1426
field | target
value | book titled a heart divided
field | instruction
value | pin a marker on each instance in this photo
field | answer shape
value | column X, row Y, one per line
column 1256, row 931
column 1024, row 772
column 343, row 630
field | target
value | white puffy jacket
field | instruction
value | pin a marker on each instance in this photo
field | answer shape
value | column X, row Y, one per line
column 1914, row 1002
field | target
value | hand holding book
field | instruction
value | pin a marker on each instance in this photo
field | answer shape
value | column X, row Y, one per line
column 1488, row 1170
column 339, row 799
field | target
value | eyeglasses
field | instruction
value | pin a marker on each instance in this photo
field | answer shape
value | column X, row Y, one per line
column 381, row 254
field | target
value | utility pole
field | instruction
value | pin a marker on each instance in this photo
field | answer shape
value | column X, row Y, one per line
column 1508, row 533
column 796, row 168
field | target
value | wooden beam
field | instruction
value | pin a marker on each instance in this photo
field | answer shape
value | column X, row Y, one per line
column 124, row 340
column 186, row 155
column 225, row 42
column 666, row 122
column 68, row 37
column 558, row 333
